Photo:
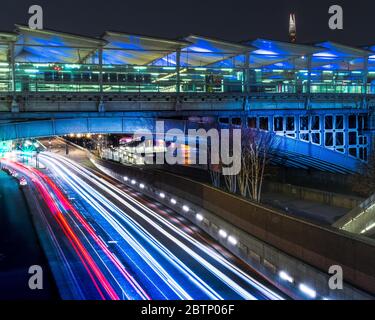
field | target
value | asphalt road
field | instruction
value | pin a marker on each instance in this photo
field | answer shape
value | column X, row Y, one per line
column 115, row 243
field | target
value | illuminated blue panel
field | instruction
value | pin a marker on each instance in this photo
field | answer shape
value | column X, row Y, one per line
column 136, row 50
column 339, row 57
column 49, row 46
column 270, row 47
column 206, row 52
column 279, row 55
column 339, row 50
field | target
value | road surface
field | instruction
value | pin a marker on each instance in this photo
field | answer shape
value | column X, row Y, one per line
column 119, row 244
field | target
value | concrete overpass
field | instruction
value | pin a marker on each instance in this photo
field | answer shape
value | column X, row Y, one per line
column 310, row 137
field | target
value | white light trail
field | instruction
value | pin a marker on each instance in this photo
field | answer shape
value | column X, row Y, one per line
column 128, row 201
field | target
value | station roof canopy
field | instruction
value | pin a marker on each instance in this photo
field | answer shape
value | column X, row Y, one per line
column 279, row 48
column 206, row 51
column 198, row 51
column 280, row 54
column 371, row 60
column 122, row 48
column 203, row 51
column 337, row 56
column 51, row 46
column 341, row 50
column 5, row 39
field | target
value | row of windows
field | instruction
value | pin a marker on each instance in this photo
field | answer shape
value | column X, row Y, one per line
column 334, row 136
column 306, row 123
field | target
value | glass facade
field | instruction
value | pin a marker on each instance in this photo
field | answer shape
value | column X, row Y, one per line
column 41, row 77
column 59, row 77
column 54, row 68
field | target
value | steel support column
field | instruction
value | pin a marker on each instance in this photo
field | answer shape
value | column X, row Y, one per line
column 308, row 87
column 178, row 68
column 101, row 107
column 12, row 59
column 247, row 73
column 12, row 65
column 100, row 58
column 364, row 81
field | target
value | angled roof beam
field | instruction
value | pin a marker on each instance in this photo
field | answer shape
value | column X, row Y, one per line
column 156, row 48
column 342, row 50
column 46, row 41
column 205, row 45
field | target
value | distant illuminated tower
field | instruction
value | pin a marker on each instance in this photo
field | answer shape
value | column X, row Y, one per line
column 292, row 28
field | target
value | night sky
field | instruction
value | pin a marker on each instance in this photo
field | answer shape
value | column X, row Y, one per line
column 234, row 20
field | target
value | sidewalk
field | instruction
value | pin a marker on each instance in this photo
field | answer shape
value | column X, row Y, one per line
column 19, row 247
column 315, row 212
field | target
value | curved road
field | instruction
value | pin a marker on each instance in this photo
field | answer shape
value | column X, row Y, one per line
column 129, row 247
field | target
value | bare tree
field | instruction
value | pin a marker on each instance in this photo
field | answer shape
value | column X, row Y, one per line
column 257, row 146
column 256, row 149
column 215, row 174
column 231, row 179
column 231, row 183
column 213, row 169
column 243, row 176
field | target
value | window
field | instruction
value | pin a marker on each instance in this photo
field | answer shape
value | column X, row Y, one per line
column 339, row 138
column 328, row 139
column 353, row 152
column 224, row 120
column 237, row 121
column 339, row 122
column 352, row 138
column 263, row 123
column 252, row 122
column 290, row 124
column 315, row 138
column 328, row 123
column 278, row 124
column 362, row 140
column 304, row 136
column 362, row 122
column 352, row 122
column 304, row 123
column 361, row 153
column 315, row 123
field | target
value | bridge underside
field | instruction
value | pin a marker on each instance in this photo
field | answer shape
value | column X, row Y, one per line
column 301, row 144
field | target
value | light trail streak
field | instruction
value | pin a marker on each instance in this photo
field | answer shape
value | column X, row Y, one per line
column 86, row 259
column 90, row 194
column 130, row 203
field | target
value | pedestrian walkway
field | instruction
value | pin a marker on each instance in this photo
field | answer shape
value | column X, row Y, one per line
column 19, row 246
column 309, row 210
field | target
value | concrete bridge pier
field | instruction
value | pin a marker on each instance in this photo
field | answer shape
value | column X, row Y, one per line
column 101, row 106
column 15, row 107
